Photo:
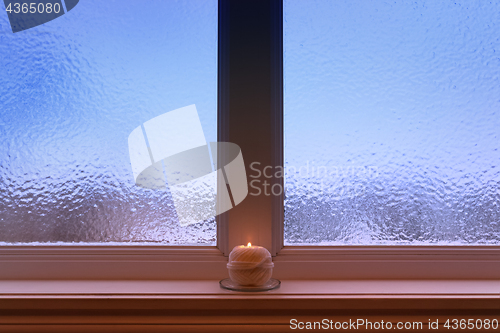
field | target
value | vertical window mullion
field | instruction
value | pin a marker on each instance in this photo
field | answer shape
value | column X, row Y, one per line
column 250, row 111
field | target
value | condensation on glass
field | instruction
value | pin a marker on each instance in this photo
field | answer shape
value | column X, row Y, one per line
column 71, row 92
column 392, row 122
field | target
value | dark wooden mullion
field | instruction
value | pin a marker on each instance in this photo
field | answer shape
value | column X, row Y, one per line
column 250, row 98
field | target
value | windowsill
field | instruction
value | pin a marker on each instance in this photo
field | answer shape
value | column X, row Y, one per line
column 356, row 294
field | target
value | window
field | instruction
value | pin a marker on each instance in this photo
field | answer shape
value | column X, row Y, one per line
column 250, row 114
column 72, row 91
column 398, row 100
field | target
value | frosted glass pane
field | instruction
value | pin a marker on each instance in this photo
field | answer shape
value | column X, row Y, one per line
column 72, row 91
column 392, row 122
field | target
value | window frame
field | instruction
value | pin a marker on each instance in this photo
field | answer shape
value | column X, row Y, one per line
column 119, row 262
column 250, row 114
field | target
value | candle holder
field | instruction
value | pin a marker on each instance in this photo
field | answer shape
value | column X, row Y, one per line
column 269, row 285
column 250, row 269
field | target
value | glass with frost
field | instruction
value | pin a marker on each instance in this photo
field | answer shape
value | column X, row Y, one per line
column 392, row 122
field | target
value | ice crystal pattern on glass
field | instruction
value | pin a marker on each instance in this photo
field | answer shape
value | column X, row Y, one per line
column 71, row 91
column 392, row 122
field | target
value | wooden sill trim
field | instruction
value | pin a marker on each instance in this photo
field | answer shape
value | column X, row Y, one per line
column 201, row 306
column 456, row 294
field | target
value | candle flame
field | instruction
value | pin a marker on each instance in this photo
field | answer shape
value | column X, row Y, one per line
column 249, row 244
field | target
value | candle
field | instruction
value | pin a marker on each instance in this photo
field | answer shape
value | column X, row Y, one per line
column 250, row 265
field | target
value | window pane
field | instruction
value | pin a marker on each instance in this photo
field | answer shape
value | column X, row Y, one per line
column 392, row 122
column 72, row 91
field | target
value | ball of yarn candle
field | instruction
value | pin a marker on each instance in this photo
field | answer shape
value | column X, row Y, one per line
column 250, row 265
